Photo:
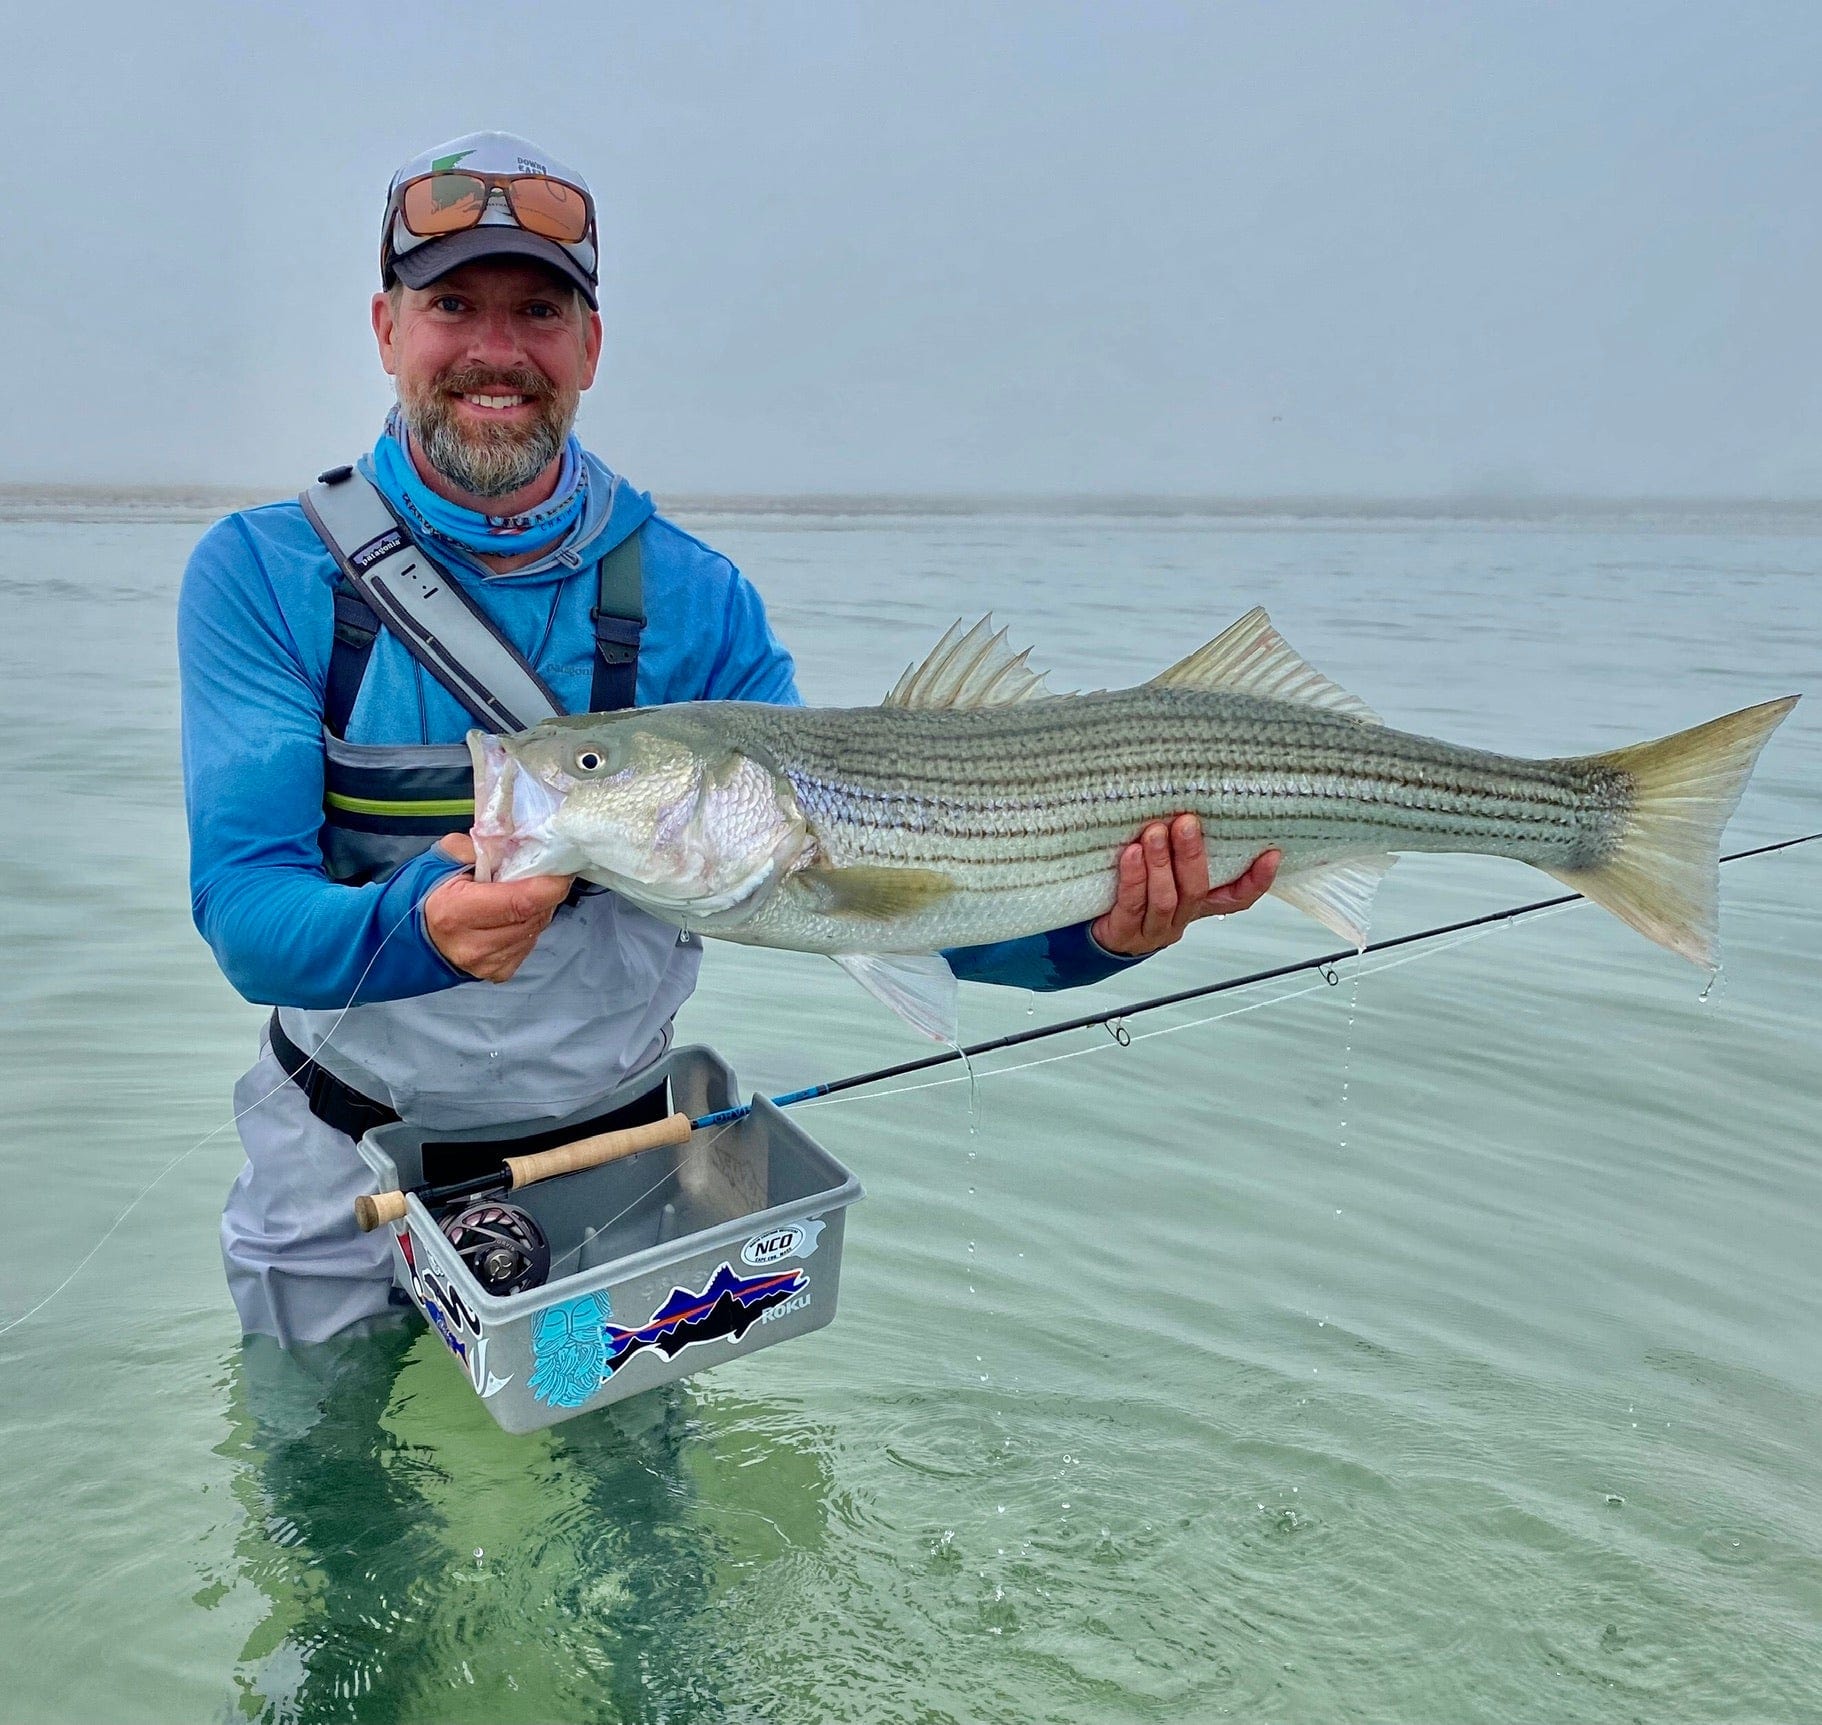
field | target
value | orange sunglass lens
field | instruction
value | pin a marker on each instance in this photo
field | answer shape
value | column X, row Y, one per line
column 443, row 204
column 549, row 207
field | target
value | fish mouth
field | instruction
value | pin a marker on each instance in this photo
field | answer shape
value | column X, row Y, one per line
column 513, row 811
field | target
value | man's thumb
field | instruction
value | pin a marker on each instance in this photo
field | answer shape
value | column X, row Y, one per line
column 458, row 847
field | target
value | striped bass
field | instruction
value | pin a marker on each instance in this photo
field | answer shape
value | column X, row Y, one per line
column 976, row 806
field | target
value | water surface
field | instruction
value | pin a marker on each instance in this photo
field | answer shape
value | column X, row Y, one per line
column 1437, row 1345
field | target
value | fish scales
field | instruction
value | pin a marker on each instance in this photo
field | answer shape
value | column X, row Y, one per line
column 1062, row 778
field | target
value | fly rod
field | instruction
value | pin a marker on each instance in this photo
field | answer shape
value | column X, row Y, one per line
column 605, row 1147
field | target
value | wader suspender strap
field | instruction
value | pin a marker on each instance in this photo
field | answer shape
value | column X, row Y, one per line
column 436, row 621
column 618, row 615
column 619, row 618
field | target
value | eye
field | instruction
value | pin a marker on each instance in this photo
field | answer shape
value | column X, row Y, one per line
column 590, row 760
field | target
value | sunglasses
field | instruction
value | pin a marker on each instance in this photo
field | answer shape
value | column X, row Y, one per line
column 435, row 204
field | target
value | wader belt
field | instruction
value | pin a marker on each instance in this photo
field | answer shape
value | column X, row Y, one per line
column 346, row 1110
column 336, row 1104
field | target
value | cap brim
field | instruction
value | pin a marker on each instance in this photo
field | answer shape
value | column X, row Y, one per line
column 422, row 265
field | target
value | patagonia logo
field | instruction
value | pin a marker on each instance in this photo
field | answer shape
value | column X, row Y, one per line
column 377, row 550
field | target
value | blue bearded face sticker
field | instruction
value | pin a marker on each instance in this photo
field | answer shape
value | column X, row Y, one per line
column 569, row 1348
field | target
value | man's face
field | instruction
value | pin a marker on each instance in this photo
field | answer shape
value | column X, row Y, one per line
column 490, row 362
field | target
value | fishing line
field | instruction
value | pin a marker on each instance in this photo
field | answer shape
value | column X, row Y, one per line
column 1126, row 1038
column 1325, row 964
column 670, row 1174
column 232, row 1120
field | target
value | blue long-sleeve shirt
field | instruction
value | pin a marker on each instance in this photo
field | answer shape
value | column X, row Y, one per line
column 255, row 627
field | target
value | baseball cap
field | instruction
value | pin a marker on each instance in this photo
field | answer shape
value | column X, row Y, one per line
column 417, row 260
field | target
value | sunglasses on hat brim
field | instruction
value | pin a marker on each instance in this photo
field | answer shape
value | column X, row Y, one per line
column 432, row 205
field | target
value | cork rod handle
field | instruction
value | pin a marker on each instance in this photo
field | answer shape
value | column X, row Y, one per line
column 593, row 1152
column 372, row 1210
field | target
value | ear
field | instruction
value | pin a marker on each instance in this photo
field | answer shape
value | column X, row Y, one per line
column 591, row 348
column 384, row 325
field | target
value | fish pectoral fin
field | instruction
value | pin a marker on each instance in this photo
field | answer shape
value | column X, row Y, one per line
column 919, row 987
column 1250, row 657
column 871, row 892
column 969, row 668
column 1338, row 895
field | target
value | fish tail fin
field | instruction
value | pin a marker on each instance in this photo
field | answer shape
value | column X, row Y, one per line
column 1663, row 876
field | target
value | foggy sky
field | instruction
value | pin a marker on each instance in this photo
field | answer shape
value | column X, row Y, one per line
column 1379, row 249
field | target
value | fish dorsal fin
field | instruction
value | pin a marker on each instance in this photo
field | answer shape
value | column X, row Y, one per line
column 1251, row 658
column 1338, row 895
column 969, row 668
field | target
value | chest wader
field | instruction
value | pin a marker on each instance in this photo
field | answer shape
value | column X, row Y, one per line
column 385, row 803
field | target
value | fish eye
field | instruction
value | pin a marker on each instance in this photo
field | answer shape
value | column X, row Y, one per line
column 590, row 760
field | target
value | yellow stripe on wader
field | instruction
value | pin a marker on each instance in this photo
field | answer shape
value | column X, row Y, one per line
column 375, row 806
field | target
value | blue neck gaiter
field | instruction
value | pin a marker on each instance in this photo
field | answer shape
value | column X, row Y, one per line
column 550, row 526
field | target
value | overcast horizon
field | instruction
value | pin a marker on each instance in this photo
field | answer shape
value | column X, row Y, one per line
column 1243, row 253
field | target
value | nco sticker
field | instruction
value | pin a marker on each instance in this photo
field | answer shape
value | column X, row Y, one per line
column 793, row 1240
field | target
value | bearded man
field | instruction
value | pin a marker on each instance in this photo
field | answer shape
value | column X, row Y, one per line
column 322, row 742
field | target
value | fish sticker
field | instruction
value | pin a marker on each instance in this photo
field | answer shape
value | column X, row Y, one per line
column 577, row 1349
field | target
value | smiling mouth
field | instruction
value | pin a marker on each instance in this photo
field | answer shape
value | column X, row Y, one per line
column 495, row 403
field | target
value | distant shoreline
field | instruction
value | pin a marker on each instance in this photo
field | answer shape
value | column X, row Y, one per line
column 74, row 502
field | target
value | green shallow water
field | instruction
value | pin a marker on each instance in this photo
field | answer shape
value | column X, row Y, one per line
column 1440, row 1345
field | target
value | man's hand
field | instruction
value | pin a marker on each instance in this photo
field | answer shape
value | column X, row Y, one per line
column 488, row 928
column 1164, row 888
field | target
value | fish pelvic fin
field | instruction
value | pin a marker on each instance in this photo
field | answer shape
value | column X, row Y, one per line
column 1338, row 895
column 1250, row 657
column 969, row 668
column 869, row 892
column 1663, row 876
column 919, row 987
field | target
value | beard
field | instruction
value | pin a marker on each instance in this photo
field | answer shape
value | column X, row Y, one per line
column 488, row 460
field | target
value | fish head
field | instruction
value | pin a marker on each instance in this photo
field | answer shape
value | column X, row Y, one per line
column 652, row 803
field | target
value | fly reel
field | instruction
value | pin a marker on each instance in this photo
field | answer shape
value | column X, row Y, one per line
column 504, row 1248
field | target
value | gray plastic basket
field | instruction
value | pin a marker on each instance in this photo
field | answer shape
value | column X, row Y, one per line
column 663, row 1264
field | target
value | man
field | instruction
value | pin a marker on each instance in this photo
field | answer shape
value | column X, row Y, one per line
column 322, row 732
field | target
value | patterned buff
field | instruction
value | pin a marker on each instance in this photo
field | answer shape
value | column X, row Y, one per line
column 549, row 526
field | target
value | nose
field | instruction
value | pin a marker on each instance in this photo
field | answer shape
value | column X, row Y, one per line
column 494, row 340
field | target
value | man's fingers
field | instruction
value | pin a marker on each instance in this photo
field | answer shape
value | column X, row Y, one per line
column 1129, row 898
column 1247, row 888
column 496, row 904
column 1161, row 881
column 1189, row 861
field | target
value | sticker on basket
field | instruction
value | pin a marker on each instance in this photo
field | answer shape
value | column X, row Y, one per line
column 793, row 1240
column 463, row 1333
column 569, row 1350
column 577, row 1350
